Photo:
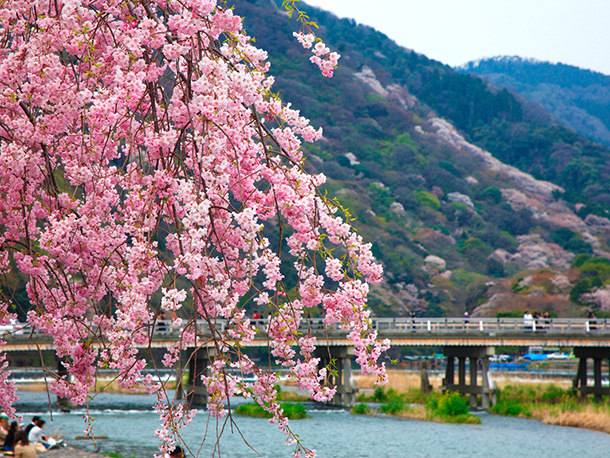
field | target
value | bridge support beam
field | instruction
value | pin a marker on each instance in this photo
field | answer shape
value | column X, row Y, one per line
column 200, row 359
column 339, row 359
column 63, row 404
column 477, row 355
column 580, row 384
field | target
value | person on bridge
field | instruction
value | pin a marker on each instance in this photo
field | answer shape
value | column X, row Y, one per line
column 547, row 319
column 412, row 316
column 592, row 321
column 528, row 320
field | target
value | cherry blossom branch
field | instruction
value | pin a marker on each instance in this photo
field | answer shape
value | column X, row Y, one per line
column 144, row 150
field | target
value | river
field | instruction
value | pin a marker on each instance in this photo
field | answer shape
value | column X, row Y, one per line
column 129, row 424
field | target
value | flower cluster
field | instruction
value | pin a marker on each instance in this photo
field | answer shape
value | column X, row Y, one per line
column 323, row 57
column 137, row 177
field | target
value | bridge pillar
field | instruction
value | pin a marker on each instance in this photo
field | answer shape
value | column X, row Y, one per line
column 597, row 354
column 461, row 370
column 487, row 384
column 475, row 354
column 339, row 359
column 473, row 381
column 450, row 371
column 179, row 376
column 200, row 359
column 63, row 404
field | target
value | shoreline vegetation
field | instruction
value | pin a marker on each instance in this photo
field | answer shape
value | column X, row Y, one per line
column 437, row 407
column 547, row 399
column 292, row 410
column 291, row 403
column 554, row 405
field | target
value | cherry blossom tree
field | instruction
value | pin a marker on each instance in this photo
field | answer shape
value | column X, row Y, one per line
column 600, row 297
column 144, row 155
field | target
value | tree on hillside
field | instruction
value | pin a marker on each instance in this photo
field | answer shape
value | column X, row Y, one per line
column 143, row 153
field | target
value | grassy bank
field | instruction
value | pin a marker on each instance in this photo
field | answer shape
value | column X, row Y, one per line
column 553, row 405
column 442, row 408
column 528, row 396
column 292, row 410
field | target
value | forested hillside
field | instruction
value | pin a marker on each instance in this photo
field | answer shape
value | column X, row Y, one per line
column 406, row 148
column 577, row 97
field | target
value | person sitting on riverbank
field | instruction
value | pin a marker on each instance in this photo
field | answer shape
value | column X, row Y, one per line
column 37, row 436
column 3, row 428
column 9, row 441
column 177, row 453
column 29, row 427
column 23, row 448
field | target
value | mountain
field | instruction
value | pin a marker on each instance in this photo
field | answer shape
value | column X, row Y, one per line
column 577, row 97
column 473, row 199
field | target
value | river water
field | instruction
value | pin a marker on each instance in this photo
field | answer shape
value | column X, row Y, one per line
column 129, row 424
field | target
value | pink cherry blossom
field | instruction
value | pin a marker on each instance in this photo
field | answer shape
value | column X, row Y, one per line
column 142, row 159
column 325, row 59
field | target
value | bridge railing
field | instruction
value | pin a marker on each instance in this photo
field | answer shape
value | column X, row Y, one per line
column 402, row 325
column 393, row 326
column 491, row 325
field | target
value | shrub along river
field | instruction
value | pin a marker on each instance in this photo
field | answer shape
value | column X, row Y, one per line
column 129, row 425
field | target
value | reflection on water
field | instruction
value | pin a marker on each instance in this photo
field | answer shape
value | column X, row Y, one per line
column 130, row 424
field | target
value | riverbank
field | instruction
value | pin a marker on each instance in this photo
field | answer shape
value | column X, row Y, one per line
column 436, row 407
column 554, row 405
column 530, row 396
column 590, row 417
column 71, row 452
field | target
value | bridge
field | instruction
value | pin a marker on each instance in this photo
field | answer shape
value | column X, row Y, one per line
column 462, row 339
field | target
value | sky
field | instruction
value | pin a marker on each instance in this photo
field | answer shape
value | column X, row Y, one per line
column 575, row 32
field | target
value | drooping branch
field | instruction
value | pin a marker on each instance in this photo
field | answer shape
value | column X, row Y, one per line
column 164, row 159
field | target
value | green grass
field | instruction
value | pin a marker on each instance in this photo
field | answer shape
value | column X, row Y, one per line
column 520, row 401
column 510, row 408
column 446, row 408
column 381, row 396
column 292, row 410
column 545, row 402
column 449, row 404
column 361, row 409
column 450, row 407
column 395, row 406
